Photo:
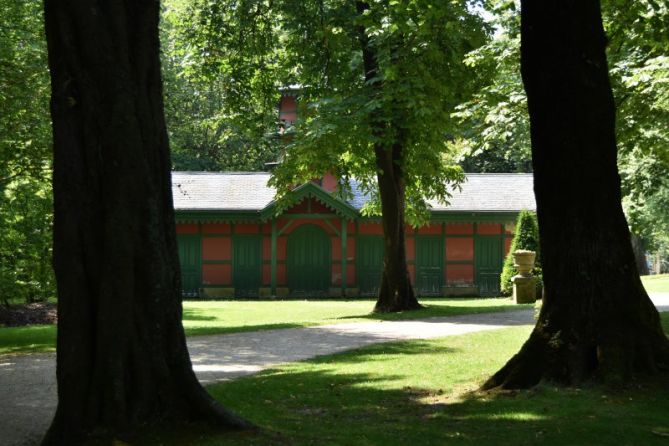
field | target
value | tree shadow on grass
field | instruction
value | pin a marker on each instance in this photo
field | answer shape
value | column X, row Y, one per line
column 217, row 330
column 430, row 311
column 323, row 407
column 382, row 352
column 190, row 314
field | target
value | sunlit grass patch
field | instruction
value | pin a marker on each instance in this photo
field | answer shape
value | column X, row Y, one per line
column 657, row 283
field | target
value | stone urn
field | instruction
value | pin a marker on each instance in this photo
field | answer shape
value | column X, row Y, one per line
column 523, row 260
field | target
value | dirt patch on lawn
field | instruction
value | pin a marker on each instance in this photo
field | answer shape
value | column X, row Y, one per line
column 28, row 314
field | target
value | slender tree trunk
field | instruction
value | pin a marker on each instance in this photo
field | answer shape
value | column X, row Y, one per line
column 396, row 291
column 122, row 358
column 596, row 320
column 639, row 247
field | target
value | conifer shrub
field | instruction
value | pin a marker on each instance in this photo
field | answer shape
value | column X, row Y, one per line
column 526, row 237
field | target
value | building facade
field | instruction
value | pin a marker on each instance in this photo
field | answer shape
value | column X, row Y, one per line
column 234, row 241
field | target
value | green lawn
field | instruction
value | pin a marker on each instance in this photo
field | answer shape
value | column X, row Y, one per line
column 656, row 284
column 211, row 317
column 423, row 393
column 215, row 317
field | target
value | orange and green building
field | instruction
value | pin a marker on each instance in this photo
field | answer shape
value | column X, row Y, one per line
column 234, row 242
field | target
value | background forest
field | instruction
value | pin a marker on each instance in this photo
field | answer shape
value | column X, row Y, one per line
column 225, row 61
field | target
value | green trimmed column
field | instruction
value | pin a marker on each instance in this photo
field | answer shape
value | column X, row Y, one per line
column 344, row 228
column 273, row 260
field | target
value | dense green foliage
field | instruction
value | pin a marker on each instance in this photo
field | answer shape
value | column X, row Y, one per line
column 223, row 64
column 220, row 107
column 25, row 156
column 419, row 46
column 526, row 237
column 495, row 124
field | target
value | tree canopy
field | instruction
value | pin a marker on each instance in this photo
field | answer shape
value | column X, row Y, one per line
column 25, row 155
column 495, row 123
column 220, row 106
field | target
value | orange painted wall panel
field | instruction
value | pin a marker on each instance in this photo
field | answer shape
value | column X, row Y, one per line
column 216, row 248
column 459, row 228
column 507, row 245
column 350, row 249
column 489, row 228
column 459, row 274
column 430, row 229
column 281, row 243
column 216, row 228
column 370, row 228
column 216, row 274
column 247, row 228
column 411, row 248
column 459, row 248
column 267, row 248
column 183, row 228
column 336, row 248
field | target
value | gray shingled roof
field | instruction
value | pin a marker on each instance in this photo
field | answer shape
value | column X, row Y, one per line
column 492, row 192
column 248, row 191
column 221, row 191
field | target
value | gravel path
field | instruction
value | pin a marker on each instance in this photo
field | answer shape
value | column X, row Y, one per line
column 28, row 385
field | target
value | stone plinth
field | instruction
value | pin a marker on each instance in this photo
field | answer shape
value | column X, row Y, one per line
column 524, row 289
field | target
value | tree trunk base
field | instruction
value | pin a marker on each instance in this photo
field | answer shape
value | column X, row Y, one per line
column 395, row 308
column 396, row 295
column 205, row 410
column 550, row 355
column 190, row 403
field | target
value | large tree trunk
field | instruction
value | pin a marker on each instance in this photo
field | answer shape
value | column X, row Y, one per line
column 396, row 291
column 122, row 358
column 596, row 320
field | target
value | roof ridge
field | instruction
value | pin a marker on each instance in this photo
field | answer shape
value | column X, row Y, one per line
column 498, row 173
column 206, row 172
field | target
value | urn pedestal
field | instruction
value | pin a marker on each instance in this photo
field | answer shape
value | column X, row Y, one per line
column 524, row 284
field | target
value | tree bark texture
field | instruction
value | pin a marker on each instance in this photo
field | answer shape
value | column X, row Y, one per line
column 396, row 292
column 122, row 361
column 596, row 320
column 639, row 248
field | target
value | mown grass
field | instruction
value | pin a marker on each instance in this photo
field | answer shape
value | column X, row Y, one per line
column 214, row 317
column 219, row 317
column 656, row 284
column 424, row 393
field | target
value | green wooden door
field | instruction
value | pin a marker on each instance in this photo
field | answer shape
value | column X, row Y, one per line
column 308, row 261
column 369, row 263
column 247, row 264
column 190, row 262
column 429, row 265
column 488, row 255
